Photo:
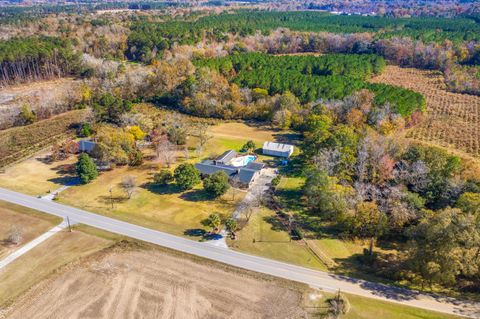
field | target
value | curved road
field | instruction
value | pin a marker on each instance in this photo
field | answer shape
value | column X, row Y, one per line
column 314, row 278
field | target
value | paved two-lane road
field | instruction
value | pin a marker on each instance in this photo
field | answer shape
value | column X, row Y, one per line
column 311, row 277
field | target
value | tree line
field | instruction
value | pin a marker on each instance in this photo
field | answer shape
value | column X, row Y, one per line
column 33, row 58
column 310, row 78
column 147, row 38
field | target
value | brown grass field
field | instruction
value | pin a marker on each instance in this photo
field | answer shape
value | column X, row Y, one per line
column 137, row 283
column 44, row 260
column 30, row 222
column 452, row 119
column 136, row 280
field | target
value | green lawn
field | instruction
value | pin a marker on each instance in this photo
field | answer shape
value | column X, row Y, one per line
column 272, row 242
column 367, row 308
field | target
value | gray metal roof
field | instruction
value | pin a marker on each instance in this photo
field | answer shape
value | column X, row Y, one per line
column 279, row 147
column 208, row 167
column 226, row 156
column 256, row 166
column 86, row 146
column 246, row 175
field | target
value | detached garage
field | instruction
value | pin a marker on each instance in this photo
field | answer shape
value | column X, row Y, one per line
column 277, row 149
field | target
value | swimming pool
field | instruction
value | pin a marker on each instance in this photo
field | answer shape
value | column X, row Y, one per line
column 242, row 160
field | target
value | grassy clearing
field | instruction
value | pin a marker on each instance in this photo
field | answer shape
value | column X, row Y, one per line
column 44, row 260
column 35, row 176
column 367, row 308
column 273, row 242
column 30, row 222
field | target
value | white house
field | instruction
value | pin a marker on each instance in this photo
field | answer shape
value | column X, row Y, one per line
column 277, row 149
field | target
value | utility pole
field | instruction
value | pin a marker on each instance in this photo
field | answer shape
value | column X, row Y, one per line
column 69, row 226
column 111, row 196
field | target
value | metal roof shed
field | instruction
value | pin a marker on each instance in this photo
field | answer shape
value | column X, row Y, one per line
column 277, row 149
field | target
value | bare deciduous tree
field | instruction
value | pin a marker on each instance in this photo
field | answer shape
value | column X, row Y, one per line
column 251, row 204
column 129, row 184
column 166, row 151
column 15, row 235
column 201, row 130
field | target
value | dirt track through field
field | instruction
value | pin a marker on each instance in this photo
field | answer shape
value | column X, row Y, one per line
column 452, row 120
column 151, row 284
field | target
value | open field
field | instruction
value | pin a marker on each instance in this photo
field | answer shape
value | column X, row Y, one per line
column 149, row 283
column 137, row 280
column 30, row 222
column 44, row 260
column 452, row 119
column 34, row 176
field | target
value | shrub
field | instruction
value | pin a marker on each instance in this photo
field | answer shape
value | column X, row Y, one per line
column 249, row 146
column 213, row 221
column 163, row 177
column 231, row 225
column 85, row 130
column 276, row 181
column 186, row 176
column 86, row 168
column 297, row 233
column 15, row 235
column 27, row 116
column 216, row 184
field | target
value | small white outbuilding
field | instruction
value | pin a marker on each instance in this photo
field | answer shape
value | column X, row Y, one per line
column 277, row 149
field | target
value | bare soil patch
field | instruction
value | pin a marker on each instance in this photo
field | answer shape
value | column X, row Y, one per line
column 452, row 119
column 154, row 284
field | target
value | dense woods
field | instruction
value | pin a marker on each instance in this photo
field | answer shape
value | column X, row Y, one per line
column 35, row 58
column 148, row 38
column 311, row 78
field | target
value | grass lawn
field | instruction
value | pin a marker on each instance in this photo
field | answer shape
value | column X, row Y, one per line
column 166, row 208
column 367, row 308
column 45, row 259
column 30, row 222
column 162, row 208
column 36, row 177
column 272, row 242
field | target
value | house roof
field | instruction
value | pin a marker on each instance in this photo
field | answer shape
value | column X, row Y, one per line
column 278, row 147
column 256, row 166
column 246, row 175
column 227, row 156
column 208, row 167
column 86, row 146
